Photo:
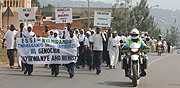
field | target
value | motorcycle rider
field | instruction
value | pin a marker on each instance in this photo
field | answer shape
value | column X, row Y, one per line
column 135, row 38
column 160, row 41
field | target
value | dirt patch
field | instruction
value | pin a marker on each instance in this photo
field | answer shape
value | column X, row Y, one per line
column 3, row 57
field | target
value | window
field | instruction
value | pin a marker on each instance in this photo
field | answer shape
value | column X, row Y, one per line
column 16, row 3
column 11, row 4
column 4, row 3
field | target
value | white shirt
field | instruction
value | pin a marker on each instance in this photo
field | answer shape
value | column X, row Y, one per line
column 74, row 41
column 51, row 36
column 87, row 41
column 29, row 34
column 97, row 41
column 76, row 35
column 128, row 38
column 113, row 42
column 10, row 37
column 81, row 37
column 153, row 42
column 124, row 38
column 18, row 34
column 165, row 43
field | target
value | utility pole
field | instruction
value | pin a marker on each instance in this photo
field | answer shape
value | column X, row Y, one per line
column 126, row 13
column 88, row 14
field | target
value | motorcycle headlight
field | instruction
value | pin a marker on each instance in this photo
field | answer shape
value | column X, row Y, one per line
column 134, row 50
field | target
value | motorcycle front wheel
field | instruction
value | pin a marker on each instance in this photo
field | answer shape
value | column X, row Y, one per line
column 135, row 75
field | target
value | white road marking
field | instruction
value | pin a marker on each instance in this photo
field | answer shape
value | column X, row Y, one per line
column 158, row 59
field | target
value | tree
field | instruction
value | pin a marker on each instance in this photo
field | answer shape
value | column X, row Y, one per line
column 36, row 2
column 137, row 17
column 120, row 19
column 85, row 24
column 172, row 35
column 49, row 5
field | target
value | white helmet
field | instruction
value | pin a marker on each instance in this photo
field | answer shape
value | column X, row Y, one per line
column 134, row 33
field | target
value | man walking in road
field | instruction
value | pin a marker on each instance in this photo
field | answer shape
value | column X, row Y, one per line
column 113, row 48
column 20, row 34
column 97, row 43
column 45, row 34
column 70, row 66
column 10, row 36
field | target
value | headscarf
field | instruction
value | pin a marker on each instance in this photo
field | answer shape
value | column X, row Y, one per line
column 88, row 32
column 30, row 25
column 25, row 29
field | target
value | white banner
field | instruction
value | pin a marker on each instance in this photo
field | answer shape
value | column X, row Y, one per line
column 63, row 15
column 47, row 51
column 102, row 19
column 26, row 15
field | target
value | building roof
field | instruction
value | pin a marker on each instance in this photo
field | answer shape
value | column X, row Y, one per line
column 70, row 3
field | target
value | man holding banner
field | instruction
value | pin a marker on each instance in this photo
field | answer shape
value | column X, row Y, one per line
column 29, row 34
column 55, row 67
column 71, row 66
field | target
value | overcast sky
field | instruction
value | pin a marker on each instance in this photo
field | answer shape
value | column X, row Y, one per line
column 164, row 4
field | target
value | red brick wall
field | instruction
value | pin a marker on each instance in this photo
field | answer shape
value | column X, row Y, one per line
column 39, row 29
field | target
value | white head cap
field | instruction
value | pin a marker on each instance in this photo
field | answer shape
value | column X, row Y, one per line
column 88, row 32
column 82, row 30
column 30, row 25
column 55, row 31
column 93, row 31
column 51, row 31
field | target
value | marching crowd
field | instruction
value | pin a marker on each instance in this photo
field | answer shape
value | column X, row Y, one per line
column 93, row 47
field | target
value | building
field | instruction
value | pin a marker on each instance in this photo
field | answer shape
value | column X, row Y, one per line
column 77, row 12
column 14, row 5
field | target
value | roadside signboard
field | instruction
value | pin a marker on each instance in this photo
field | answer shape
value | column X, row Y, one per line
column 26, row 15
column 63, row 15
column 102, row 19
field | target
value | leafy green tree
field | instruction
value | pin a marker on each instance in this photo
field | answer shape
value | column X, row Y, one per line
column 138, row 17
column 172, row 35
column 85, row 24
column 36, row 2
column 49, row 5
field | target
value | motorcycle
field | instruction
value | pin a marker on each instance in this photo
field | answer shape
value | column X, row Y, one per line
column 159, row 48
column 134, row 61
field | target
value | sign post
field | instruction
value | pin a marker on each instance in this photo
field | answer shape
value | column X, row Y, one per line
column 8, row 13
column 102, row 19
column 63, row 15
column 26, row 15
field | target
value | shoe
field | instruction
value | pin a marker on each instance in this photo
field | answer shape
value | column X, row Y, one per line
column 114, row 67
column 110, row 66
column 77, row 66
column 19, row 67
column 55, row 75
column 98, row 72
column 11, row 66
column 29, row 74
column 71, row 75
column 25, row 72
column 52, row 73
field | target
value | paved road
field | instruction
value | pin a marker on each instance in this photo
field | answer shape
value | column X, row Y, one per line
column 163, row 72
